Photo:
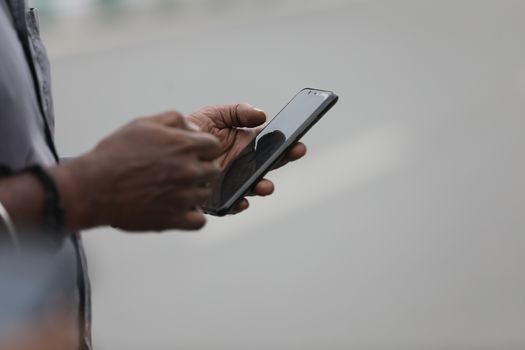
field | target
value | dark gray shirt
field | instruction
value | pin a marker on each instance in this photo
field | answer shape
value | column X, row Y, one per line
column 27, row 123
column 22, row 137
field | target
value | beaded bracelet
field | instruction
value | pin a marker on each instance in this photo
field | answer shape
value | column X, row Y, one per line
column 54, row 210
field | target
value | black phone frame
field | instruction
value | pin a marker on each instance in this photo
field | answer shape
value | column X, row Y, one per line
column 281, row 152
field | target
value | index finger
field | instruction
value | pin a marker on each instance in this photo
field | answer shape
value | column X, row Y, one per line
column 206, row 146
column 297, row 152
column 171, row 119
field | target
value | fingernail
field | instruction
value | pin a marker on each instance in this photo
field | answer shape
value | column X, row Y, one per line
column 259, row 110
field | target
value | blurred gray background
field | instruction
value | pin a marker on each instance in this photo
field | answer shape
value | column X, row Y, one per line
column 403, row 229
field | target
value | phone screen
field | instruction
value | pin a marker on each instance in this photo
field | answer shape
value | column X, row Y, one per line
column 264, row 149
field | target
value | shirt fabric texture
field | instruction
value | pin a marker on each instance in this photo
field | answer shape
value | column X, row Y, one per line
column 27, row 127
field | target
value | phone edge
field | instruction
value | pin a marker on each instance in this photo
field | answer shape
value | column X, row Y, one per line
column 228, row 207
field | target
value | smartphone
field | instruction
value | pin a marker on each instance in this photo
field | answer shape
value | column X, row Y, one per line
column 267, row 149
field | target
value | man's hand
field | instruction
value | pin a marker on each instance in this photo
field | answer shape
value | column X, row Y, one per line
column 235, row 126
column 149, row 175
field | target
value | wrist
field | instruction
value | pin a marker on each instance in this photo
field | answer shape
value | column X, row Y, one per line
column 77, row 190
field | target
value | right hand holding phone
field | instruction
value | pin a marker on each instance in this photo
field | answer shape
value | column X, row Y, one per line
column 235, row 126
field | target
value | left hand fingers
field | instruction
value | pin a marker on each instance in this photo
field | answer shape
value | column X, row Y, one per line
column 263, row 188
column 241, row 206
column 266, row 187
column 295, row 153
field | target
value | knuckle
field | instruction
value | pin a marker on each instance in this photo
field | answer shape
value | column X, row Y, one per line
column 215, row 169
column 139, row 122
column 234, row 112
column 183, row 140
column 194, row 171
column 211, row 142
column 174, row 114
column 174, row 119
column 203, row 143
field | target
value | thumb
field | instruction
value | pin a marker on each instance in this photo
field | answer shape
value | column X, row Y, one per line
column 243, row 115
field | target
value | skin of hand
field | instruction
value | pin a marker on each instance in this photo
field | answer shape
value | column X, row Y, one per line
column 148, row 176
column 235, row 126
